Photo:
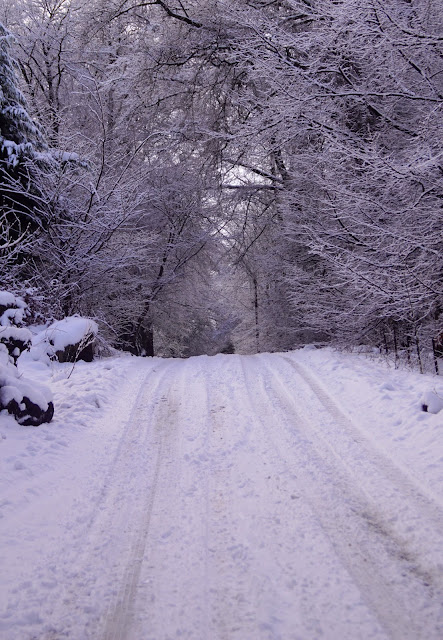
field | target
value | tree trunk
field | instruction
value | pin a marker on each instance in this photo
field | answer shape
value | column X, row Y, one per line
column 434, row 351
column 137, row 339
column 408, row 348
column 145, row 341
column 385, row 340
column 257, row 328
column 395, row 345
column 417, row 346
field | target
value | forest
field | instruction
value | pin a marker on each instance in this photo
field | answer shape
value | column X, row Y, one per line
column 203, row 176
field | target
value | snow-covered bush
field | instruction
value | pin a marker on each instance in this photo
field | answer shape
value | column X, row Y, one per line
column 70, row 339
column 432, row 402
column 30, row 403
column 16, row 340
column 13, row 310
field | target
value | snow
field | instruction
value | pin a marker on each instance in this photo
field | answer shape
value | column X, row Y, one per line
column 61, row 156
column 69, row 331
column 9, row 392
column 16, row 333
column 294, row 495
column 13, row 149
column 15, row 311
column 15, row 387
column 432, row 402
column 7, row 299
column 69, row 156
column 387, row 403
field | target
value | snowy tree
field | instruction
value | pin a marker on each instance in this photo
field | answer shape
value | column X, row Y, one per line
column 301, row 139
column 23, row 214
column 338, row 116
column 130, row 213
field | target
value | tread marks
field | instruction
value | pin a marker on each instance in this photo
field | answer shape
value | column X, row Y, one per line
column 311, row 496
column 155, row 439
column 350, row 442
column 291, row 597
column 139, row 491
column 170, row 595
column 387, row 571
column 113, row 535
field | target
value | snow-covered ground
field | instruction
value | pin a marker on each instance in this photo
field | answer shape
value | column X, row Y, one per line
column 284, row 496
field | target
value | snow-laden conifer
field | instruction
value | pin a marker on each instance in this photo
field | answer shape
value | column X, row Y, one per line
column 20, row 137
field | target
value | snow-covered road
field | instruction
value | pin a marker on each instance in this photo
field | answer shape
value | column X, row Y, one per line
column 237, row 500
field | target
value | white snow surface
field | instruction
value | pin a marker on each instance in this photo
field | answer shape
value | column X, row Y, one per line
column 69, row 331
column 278, row 496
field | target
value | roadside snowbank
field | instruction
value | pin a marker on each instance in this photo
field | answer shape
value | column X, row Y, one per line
column 30, row 404
column 51, row 478
column 82, row 392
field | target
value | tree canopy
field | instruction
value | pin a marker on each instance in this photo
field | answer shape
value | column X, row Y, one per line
column 258, row 173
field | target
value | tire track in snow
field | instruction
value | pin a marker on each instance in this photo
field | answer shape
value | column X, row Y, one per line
column 171, row 597
column 231, row 612
column 267, row 547
column 223, row 502
column 425, row 502
column 405, row 592
column 114, row 535
column 164, row 440
column 410, row 513
column 119, row 618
